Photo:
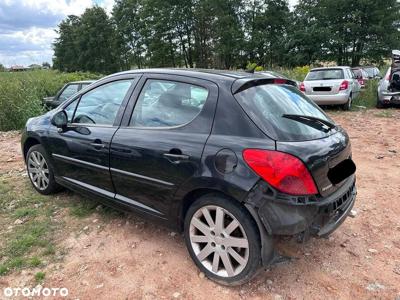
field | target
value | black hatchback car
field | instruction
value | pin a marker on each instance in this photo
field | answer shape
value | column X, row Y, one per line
column 230, row 159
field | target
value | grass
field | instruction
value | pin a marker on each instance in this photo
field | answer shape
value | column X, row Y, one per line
column 39, row 277
column 21, row 94
column 25, row 244
column 385, row 114
column 32, row 242
column 368, row 96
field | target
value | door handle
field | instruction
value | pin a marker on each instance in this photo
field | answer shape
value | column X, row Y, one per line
column 175, row 156
column 97, row 144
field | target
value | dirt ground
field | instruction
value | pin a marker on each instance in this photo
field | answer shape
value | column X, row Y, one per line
column 130, row 258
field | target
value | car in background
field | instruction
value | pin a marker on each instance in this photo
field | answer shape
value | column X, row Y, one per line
column 389, row 89
column 361, row 75
column 331, row 86
column 373, row 72
column 67, row 91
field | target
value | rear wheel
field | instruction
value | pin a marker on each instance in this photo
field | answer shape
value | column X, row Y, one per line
column 223, row 240
column 40, row 171
column 379, row 104
column 347, row 105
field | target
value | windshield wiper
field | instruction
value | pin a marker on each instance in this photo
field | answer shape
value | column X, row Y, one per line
column 314, row 122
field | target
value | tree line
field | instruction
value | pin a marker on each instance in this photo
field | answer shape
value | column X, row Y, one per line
column 227, row 34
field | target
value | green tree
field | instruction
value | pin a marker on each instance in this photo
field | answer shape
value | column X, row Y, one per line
column 345, row 31
column 307, row 34
column 267, row 23
column 203, row 32
column 228, row 35
column 96, row 42
column 66, row 49
column 126, row 16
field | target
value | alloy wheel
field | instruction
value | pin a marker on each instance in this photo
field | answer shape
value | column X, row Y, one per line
column 38, row 170
column 219, row 241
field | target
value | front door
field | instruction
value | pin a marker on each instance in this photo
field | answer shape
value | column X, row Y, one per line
column 161, row 143
column 81, row 153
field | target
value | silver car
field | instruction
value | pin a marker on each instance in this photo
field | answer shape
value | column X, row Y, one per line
column 331, row 85
column 386, row 94
column 389, row 85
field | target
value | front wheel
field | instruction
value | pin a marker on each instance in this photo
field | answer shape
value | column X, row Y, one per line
column 40, row 171
column 223, row 240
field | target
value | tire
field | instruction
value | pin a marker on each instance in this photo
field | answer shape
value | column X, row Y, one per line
column 347, row 105
column 379, row 104
column 217, row 241
column 40, row 171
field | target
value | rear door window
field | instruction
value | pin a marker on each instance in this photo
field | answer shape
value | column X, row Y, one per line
column 164, row 103
column 266, row 105
column 325, row 74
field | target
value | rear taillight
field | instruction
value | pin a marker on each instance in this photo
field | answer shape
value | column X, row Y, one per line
column 283, row 171
column 302, row 87
column 344, row 85
column 361, row 81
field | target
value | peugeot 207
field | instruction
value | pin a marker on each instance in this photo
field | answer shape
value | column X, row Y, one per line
column 230, row 159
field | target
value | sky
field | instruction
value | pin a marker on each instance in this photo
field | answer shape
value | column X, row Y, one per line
column 27, row 27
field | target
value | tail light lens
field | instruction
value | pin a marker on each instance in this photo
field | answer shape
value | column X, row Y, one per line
column 283, row 171
column 302, row 87
column 344, row 85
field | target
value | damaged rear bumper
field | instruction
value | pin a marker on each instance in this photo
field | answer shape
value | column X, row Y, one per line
column 291, row 215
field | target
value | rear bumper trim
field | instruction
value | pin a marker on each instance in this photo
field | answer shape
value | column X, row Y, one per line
column 319, row 219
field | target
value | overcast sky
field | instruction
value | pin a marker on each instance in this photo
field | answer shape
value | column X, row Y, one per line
column 27, row 27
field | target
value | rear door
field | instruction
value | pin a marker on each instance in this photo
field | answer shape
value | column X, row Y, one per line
column 161, row 141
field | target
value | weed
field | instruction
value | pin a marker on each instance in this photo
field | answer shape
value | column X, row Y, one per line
column 39, row 276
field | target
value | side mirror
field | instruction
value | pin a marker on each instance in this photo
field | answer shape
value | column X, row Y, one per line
column 60, row 119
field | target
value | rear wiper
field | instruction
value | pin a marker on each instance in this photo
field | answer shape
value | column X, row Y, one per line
column 311, row 121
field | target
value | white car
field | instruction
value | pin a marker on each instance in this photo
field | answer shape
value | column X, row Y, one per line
column 331, row 85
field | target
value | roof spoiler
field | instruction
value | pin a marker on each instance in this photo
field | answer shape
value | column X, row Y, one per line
column 246, row 83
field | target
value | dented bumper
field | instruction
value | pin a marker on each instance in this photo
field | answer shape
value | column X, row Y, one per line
column 290, row 215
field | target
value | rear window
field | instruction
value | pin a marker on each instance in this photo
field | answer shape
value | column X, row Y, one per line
column 325, row 74
column 265, row 105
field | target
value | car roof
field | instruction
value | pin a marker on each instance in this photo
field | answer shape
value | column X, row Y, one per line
column 81, row 81
column 327, row 68
column 198, row 73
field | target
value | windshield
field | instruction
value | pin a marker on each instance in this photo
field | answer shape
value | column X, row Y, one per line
column 372, row 71
column 267, row 104
column 325, row 74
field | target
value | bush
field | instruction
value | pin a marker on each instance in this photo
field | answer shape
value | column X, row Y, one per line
column 298, row 73
column 21, row 94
